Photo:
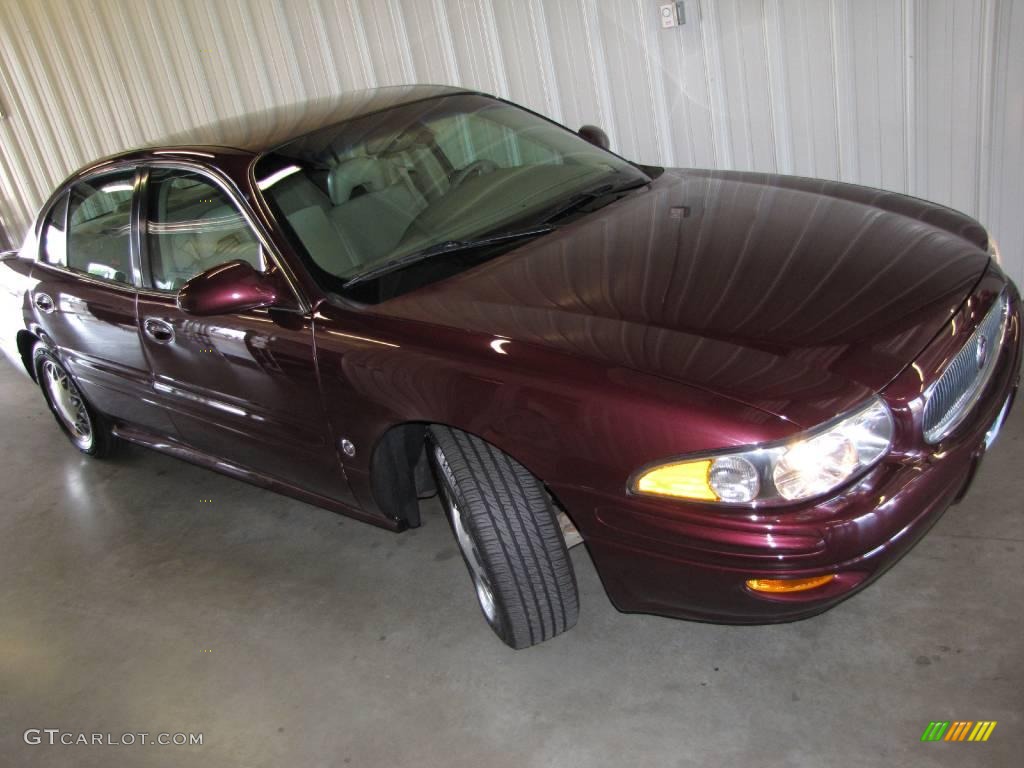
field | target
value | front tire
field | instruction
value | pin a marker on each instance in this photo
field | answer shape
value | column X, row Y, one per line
column 511, row 542
column 85, row 428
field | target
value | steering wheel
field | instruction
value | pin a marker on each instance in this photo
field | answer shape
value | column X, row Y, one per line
column 476, row 168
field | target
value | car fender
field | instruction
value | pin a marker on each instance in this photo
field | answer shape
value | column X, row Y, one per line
column 568, row 420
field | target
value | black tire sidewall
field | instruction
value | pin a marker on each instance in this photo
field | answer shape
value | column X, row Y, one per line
column 447, row 490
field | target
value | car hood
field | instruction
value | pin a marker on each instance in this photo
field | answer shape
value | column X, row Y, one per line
column 796, row 296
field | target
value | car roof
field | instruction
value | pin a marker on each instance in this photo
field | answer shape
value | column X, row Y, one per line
column 257, row 132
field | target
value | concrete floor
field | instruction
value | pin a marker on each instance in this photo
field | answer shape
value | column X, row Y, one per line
column 288, row 635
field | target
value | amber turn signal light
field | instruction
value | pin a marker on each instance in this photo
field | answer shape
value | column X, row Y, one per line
column 684, row 480
column 789, row 585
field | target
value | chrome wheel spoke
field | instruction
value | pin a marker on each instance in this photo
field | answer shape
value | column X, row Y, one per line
column 68, row 403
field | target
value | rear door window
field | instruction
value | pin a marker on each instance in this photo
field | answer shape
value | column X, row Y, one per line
column 99, row 226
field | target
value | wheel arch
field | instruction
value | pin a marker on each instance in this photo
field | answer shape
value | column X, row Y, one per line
column 26, row 341
column 400, row 474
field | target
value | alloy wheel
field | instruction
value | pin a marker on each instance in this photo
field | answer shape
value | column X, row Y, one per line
column 68, row 403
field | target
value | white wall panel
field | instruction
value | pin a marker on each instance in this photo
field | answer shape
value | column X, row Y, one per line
column 576, row 63
column 687, row 85
column 630, row 79
column 947, row 92
column 807, row 89
column 744, row 64
column 876, row 113
column 918, row 96
column 1004, row 198
column 526, row 52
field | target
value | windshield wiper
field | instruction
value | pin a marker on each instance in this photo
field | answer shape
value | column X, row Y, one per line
column 443, row 249
column 580, row 199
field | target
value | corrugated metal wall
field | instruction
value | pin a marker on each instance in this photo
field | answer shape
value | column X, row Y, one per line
column 918, row 96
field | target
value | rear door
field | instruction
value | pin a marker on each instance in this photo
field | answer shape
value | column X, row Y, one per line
column 243, row 387
column 84, row 300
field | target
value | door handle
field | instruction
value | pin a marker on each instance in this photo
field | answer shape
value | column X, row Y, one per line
column 44, row 303
column 158, row 330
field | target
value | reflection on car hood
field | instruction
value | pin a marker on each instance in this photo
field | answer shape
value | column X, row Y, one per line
column 796, row 296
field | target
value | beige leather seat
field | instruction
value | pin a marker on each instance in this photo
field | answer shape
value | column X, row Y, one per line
column 307, row 209
column 373, row 204
column 219, row 235
column 367, row 211
column 101, row 247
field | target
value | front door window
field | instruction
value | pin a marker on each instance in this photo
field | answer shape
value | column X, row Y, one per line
column 192, row 225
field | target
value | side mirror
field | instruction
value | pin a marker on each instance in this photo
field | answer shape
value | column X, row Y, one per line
column 595, row 136
column 226, row 289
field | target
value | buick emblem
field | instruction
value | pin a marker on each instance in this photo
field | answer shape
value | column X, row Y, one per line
column 982, row 353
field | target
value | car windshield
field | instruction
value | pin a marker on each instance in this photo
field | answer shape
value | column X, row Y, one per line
column 387, row 186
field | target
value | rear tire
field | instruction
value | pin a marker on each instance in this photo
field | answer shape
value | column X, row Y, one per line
column 86, row 428
column 510, row 539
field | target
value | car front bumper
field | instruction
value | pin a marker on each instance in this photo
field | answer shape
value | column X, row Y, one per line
column 693, row 561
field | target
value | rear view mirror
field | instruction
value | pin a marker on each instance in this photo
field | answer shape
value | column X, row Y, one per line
column 595, row 136
column 226, row 289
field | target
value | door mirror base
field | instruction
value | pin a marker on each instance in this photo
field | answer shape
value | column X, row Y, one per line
column 227, row 289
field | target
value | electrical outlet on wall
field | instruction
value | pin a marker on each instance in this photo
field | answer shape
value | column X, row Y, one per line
column 671, row 14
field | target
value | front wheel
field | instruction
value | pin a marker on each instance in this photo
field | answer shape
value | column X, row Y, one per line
column 84, row 427
column 506, row 528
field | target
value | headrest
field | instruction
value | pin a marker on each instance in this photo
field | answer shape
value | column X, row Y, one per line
column 395, row 141
column 364, row 172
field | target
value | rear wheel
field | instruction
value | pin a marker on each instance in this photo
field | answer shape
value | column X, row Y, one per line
column 506, row 528
column 85, row 428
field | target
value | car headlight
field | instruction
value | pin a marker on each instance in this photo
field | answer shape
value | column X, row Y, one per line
column 802, row 467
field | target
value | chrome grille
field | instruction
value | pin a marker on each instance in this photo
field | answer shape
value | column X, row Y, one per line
column 950, row 399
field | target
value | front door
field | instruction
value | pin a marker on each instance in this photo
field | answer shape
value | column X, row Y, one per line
column 242, row 388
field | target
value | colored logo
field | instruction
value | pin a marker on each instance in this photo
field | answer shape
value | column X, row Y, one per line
column 959, row 730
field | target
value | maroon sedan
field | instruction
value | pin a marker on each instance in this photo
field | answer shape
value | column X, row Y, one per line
column 750, row 394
